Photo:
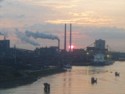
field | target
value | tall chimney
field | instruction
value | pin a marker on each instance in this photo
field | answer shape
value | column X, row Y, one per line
column 70, row 41
column 4, row 37
column 65, row 38
column 58, row 44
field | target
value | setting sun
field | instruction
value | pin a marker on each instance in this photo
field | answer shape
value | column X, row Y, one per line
column 72, row 47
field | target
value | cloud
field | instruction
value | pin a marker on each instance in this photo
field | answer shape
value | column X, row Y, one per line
column 17, row 12
column 10, row 23
column 82, row 18
column 12, row 16
column 112, row 33
column 1, row 0
column 93, row 20
column 0, row 3
column 60, row 4
column 29, row 12
column 81, row 21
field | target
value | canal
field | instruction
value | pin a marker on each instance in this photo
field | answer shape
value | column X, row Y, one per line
column 78, row 81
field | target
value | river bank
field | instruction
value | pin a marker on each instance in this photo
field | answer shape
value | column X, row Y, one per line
column 29, row 77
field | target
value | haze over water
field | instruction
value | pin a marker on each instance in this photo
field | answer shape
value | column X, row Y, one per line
column 77, row 81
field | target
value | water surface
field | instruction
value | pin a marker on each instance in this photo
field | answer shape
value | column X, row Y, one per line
column 78, row 81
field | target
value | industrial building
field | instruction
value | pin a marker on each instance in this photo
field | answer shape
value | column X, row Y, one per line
column 100, row 44
column 99, row 47
column 4, row 47
column 4, row 44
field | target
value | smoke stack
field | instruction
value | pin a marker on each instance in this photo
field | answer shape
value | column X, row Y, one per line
column 70, row 41
column 65, row 38
column 4, row 37
column 58, row 44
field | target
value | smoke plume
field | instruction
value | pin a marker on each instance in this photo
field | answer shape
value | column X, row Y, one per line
column 41, row 35
column 1, row 34
column 24, row 38
column 5, row 34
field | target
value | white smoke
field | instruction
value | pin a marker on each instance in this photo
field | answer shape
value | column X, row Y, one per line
column 24, row 38
column 1, row 33
column 5, row 34
column 41, row 35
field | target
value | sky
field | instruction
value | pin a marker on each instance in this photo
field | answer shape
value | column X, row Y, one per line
column 91, row 20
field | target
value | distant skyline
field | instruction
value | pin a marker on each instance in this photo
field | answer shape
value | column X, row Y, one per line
column 91, row 20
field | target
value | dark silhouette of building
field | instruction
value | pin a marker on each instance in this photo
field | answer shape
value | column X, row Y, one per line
column 4, row 44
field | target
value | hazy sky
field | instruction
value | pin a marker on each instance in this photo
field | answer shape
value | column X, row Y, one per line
column 91, row 19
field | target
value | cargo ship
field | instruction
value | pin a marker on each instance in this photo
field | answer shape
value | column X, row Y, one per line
column 99, row 54
column 102, row 59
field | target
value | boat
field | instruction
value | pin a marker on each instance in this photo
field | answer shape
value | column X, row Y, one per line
column 102, row 59
column 100, row 54
column 67, row 66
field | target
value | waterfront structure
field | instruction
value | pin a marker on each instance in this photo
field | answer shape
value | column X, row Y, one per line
column 99, row 53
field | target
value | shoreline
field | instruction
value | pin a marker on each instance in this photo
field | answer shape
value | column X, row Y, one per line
column 32, row 77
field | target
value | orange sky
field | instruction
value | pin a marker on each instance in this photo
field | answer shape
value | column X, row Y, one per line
column 85, row 15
